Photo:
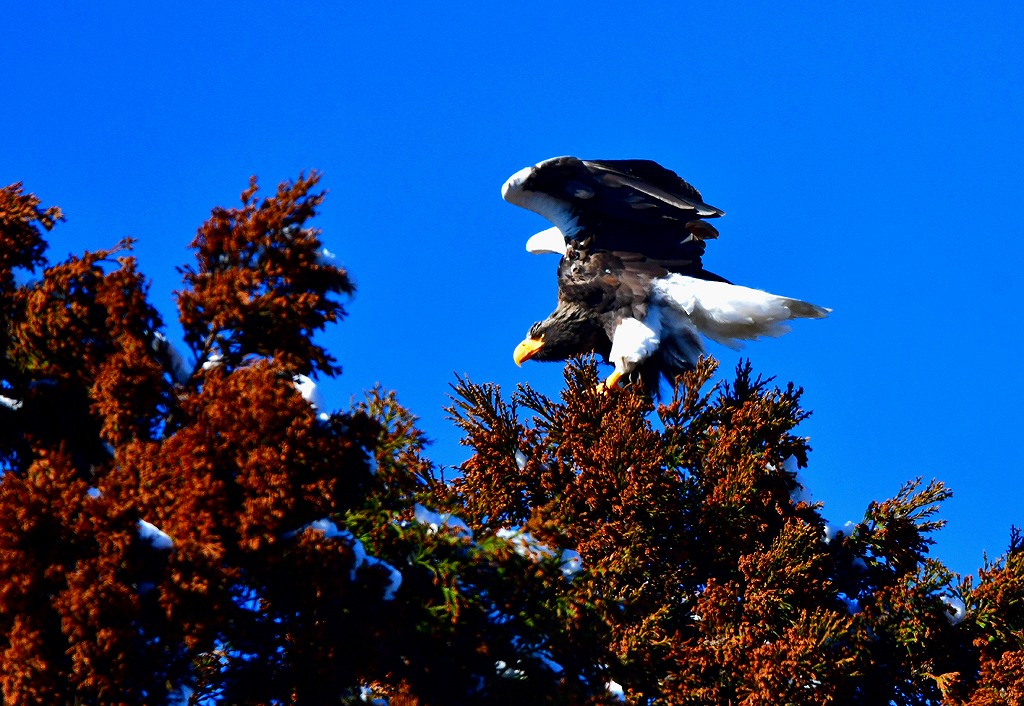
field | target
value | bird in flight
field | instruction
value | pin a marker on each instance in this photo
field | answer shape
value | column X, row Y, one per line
column 631, row 282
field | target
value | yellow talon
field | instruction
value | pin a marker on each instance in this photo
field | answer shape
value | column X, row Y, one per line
column 613, row 380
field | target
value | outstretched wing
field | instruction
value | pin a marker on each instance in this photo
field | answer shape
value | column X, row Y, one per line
column 622, row 206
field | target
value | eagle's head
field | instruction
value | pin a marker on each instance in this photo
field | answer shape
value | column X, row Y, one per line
column 569, row 330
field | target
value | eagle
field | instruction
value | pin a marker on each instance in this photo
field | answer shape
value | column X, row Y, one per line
column 631, row 281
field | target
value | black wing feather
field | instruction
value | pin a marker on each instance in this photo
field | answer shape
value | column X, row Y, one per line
column 626, row 206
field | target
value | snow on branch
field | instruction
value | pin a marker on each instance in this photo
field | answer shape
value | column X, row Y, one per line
column 435, row 521
column 331, row 531
column 526, row 545
column 156, row 537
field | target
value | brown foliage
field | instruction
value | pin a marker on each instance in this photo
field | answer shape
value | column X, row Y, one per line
column 706, row 580
column 171, row 528
column 259, row 286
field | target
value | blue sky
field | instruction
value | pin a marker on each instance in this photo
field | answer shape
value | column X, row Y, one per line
column 868, row 156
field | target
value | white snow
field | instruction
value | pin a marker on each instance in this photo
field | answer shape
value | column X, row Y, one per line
column 213, row 360
column 831, row 530
column 956, row 610
column 801, row 493
column 615, row 689
column 11, row 403
column 155, row 536
column 326, row 257
column 311, row 393
column 435, row 521
column 506, row 672
column 331, row 531
column 526, row 545
column 521, row 460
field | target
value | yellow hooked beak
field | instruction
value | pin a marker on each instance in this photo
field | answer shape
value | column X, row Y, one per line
column 526, row 350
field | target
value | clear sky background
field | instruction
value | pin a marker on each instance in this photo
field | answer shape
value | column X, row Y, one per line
column 868, row 155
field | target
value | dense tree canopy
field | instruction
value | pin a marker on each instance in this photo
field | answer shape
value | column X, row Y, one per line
column 200, row 528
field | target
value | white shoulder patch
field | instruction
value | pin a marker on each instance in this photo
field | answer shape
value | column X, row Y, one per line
column 635, row 340
column 550, row 241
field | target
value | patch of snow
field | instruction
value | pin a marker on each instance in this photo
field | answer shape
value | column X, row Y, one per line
column 956, row 610
column 326, row 257
column 507, row 672
column 11, row 403
column 155, row 536
column 394, row 577
column 309, row 391
column 831, row 530
column 213, row 360
column 801, row 493
column 329, row 529
column 615, row 689
column 526, row 545
column 521, row 460
column 436, row 520
column 361, row 558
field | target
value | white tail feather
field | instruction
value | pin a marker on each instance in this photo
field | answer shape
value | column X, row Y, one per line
column 729, row 313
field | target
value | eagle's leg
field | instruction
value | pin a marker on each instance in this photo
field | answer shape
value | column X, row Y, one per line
column 633, row 341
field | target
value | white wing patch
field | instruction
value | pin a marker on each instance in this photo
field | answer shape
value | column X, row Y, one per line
column 550, row 241
column 729, row 313
column 554, row 209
